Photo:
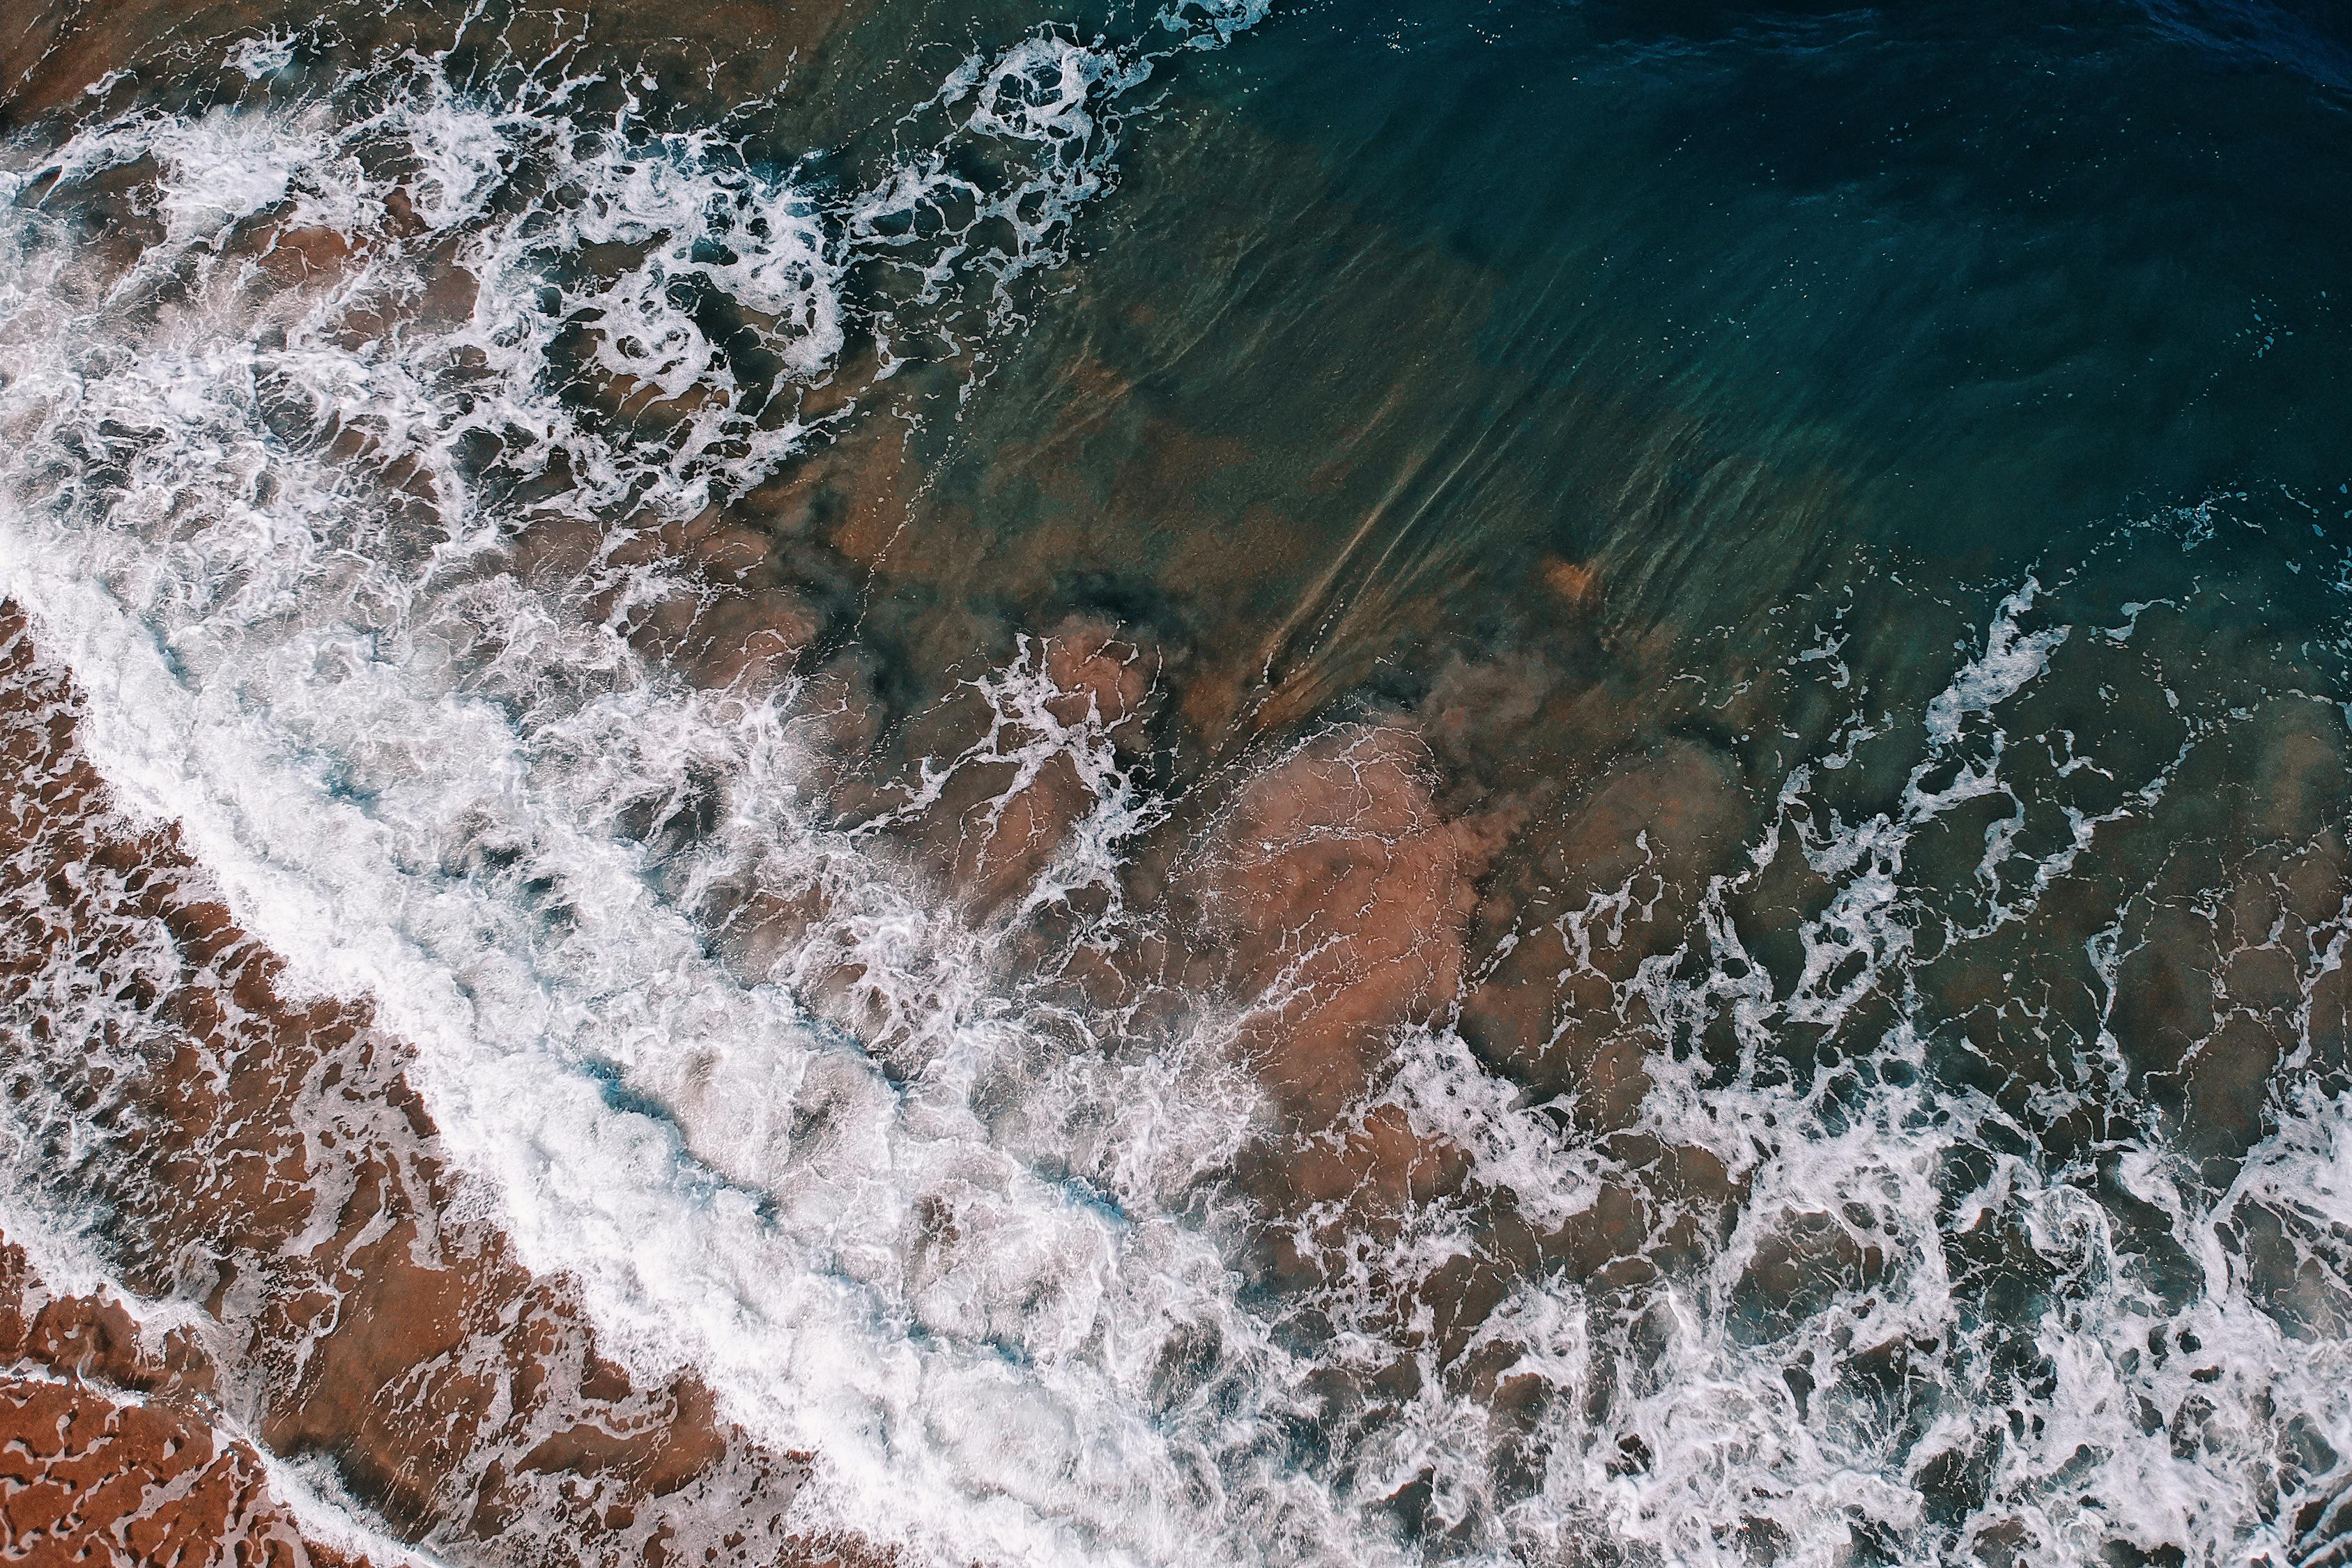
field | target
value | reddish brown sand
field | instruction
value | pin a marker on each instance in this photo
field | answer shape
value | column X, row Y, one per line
column 284, row 1176
column 108, row 1453
column 1342, row 893
column 53, row 51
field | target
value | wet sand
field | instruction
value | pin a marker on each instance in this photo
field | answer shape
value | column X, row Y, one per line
column 281, row 1178
column 108, row 1449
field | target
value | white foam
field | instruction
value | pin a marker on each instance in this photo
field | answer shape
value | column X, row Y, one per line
column 66, row 1264
column 409, row 775
column 264, row 55
column 2010, row 661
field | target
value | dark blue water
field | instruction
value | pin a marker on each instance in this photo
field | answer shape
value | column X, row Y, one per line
column 2009, row 270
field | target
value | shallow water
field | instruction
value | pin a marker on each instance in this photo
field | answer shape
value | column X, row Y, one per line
column 1534, row 783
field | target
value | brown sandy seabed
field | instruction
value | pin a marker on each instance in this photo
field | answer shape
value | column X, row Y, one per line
column 404, row 1342
column 349, row 1313
column 351, row 1310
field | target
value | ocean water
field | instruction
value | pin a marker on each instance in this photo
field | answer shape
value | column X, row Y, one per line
column 1266, row 784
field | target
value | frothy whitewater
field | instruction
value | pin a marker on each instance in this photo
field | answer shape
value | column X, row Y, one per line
column 268, row 517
